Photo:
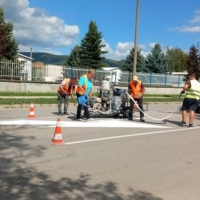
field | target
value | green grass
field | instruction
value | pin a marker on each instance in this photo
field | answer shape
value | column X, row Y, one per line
column 9, row 94
column 28, row 101
column 162, row 98
column 10, row 101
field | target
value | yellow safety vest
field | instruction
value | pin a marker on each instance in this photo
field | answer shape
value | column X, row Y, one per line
column 194, row 91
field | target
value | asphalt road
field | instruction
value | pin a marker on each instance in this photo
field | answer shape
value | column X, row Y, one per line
column 105, row 159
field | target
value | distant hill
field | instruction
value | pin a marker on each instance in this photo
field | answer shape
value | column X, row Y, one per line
column 114, row 63
column 48, row 58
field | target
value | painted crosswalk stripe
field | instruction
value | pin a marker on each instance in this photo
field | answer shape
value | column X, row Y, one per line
column 102, row 123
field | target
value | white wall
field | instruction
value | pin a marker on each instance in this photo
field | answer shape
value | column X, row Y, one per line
column 54, row 71
column 52, row 87
column 27, row 67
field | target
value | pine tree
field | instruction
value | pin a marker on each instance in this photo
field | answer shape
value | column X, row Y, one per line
column 156, row 61
column 91, row 48
column 128, row 65
column 193, row 61
column 74, row 57
column 8, row 46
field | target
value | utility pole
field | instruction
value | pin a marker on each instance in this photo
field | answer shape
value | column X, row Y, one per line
column 31, row 51
column 136, row 38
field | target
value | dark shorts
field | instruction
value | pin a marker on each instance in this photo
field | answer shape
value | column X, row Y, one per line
column 190, row 104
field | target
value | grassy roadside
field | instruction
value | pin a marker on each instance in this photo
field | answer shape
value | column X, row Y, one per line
column 52, row 98
column 10, row 94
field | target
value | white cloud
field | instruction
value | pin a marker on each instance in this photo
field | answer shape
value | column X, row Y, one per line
column 196, row 18
column 34, row 27
column 142, row 46
column 122, row 50
column 190, row 28
column 151, row 45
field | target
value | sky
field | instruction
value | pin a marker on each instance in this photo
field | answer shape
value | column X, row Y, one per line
column 57, row 26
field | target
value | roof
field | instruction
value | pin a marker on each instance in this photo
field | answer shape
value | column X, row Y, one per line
column 23, row 56
column 110, row 68
column 179, row 73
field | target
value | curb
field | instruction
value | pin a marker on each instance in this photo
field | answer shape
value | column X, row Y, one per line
column 71, row 104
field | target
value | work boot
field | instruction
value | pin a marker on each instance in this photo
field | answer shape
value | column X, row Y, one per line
column 190, row 125
column 130, row 118
column 142, row 119
column 66, row 113
column 183, row 123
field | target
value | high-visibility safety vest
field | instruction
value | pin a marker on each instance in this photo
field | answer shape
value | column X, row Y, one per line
column 136, row 90
column 194, row 91
column 78, row 89
column 66, row 87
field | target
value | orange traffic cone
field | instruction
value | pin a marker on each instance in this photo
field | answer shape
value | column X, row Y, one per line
column 57, row 140
column 31, row 113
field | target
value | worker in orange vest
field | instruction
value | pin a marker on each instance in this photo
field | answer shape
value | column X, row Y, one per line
column 65, row 89
column 136, row 90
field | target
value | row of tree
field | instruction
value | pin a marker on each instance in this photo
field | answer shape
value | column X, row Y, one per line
column 157, row 61
column 90, row 53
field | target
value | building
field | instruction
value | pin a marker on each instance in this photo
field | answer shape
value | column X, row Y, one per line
column 26, row 73
column 115, row 74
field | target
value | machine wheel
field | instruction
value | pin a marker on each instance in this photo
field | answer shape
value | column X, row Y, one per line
column 126, row 112
column 116, row 115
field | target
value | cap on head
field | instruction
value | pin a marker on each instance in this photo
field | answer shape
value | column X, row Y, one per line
column 135, row 78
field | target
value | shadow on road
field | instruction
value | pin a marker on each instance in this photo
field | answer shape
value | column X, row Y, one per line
column 19, row 181
column 172, row 122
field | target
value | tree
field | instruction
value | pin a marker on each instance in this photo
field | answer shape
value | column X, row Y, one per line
column 156, row 61
column 74, row 57
column 8, row 46
column 176, row 60
column 91, row 48
column 193, row 61
column 128, row 65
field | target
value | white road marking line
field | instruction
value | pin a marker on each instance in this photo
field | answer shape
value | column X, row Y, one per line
column 130, row 135
column 108, row 123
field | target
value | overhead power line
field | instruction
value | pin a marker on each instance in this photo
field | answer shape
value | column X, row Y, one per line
column 170, row 9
